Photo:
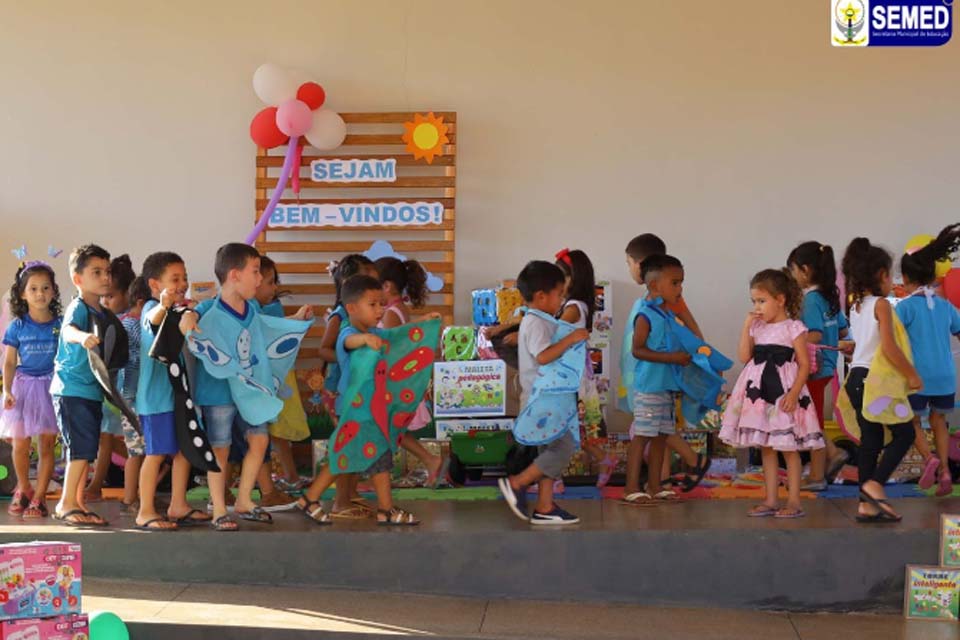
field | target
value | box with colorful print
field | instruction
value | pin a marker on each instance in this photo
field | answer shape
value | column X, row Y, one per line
column 931, row 593
column 70, row 627
column 469, row 388
column 466, row 425
column 39, row 579
column 950, row 540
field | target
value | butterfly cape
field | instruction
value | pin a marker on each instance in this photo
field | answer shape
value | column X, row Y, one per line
column 551, row 411
column 253, row 358
column 382, row 394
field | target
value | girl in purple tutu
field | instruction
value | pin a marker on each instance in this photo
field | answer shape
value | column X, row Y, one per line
column 31, row 344
column 770, row 406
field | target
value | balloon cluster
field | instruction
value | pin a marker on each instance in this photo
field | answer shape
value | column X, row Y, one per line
column 293, row 111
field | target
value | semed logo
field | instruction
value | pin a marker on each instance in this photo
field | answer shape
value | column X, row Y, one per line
column 890, row 23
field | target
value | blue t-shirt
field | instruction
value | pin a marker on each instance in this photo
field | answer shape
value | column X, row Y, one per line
column 274, row 309
column 36, row 344
column 929, row 331
column 654, row 377
column 343, row 360
column 154, row 393
column 207, row 390
column 332, row 380
column 72, row 375
column 131, row 373
column 816, row 316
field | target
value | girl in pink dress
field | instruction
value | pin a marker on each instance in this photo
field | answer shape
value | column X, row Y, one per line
column 770, row 407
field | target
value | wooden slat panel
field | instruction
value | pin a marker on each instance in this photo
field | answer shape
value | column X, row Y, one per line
column 446, row 225
column 351, row 246
column 394, row 117
column 382, row 139
column 403, row 160
column 320, row 268
column 408, row 182
column 446, row 202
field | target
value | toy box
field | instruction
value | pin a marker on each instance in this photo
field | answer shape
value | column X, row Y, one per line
column 475, row 389
column 39, row 579
column 70, row 627
column 459, row 343
column 484, row 307
column 508, row 301
column 465, row 425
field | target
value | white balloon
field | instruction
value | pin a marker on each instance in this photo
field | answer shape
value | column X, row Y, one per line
column 274, row 85
column 328, row 130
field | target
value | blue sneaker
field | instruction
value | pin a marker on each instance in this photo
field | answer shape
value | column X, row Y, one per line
column 517, row 501
column 556, row 516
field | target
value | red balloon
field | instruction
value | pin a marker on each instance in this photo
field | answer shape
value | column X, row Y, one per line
column 951, row 286
column 264, row 131
column 313, row 94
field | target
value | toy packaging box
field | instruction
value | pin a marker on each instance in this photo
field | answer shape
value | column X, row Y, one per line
column 39, row 579
column 69, row 627
column 475, row 389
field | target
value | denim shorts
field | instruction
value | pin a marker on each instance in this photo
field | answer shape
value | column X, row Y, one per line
column 654, row 414
column 79, row 422
column 218, row 421
column 940, row 404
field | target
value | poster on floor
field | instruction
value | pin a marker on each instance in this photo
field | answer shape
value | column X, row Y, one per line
column 950, row 540
column 476, row 389
column 931, row 593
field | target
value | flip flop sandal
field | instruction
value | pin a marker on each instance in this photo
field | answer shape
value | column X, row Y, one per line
column 882, row 505
column 224, row 524
column 351, row 513
column 944, row 487
column 65, row 518
column 836, row 466
column 434, row 479
column 148, row 525
column 638, row 499
column 666, row 497
column 786, row 514
column 36, row 511
column 257, row 515
column 929, row 475
column 314, row 512
column 396, row 517
column 762, row 511
column 703, row 465
column 18, row 503
column 189, row 521
column 363, row 504
column 102, row 521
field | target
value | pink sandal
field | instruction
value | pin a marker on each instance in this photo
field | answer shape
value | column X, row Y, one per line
column 945, row 487
column 929, row 475
column 18, row 503
column 610, row 462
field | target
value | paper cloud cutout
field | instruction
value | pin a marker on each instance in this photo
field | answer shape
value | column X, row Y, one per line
column 383, row 249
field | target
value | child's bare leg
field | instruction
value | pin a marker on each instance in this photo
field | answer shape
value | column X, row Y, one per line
column 104, row 454
column 682, row 448
column 595, row 452
column 149, row 474
column 430, row 461
column 818, row 465
column 920, row 439
column 771, row 477
column 71, row 498
column 216, row 481
column 527, row 477
column 45, row 469
column 320, row 484
column 284, row 450
column 179, row 508
column 250, row 469
column 21, row 463
column 346, row 491
column 265, row 480
column 634, row 464
column 657, row 447
column 794, row 470
column 545, row 495
column 941, row 435
column 131, row 479
column 381, row 484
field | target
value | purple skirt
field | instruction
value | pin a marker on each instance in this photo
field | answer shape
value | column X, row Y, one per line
column 32, row 415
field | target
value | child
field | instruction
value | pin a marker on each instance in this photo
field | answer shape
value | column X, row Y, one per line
column 166, row 275
column 237, row 267
column 930, row 320
column 813, row 267
column 770, row 407
column 866, row 269
column 347, row 504
column 580, row 294
column 137, row 296
column 121, row 276
column 31, row 341
column 291, row 424
column 541, row 284
column 406, row 280
column 363, row 300
column 639, row 249
column 77, row 397
column 655, row 388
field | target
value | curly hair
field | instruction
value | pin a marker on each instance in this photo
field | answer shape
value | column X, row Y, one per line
column 408, row 276
column 19, row 306
column 818, row 258
column 779, row 282
column 121, row 273
column 863, row 265
column 920, row 267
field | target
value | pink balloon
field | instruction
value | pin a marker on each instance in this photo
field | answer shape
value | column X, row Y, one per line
column 294, row 117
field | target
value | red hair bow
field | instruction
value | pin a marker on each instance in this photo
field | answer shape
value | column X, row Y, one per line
column 564, row 256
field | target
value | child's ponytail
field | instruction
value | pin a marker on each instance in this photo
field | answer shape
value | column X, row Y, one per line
column 408, row 277
column 862, row 265
column 820, row 261
column 121, row 273
column 920, row 266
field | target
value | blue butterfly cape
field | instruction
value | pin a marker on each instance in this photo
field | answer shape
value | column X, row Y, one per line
column 253, row 359
column 700, row 382
column 551, row 410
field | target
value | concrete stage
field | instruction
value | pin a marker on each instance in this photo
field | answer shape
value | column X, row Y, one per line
column 695, row 554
